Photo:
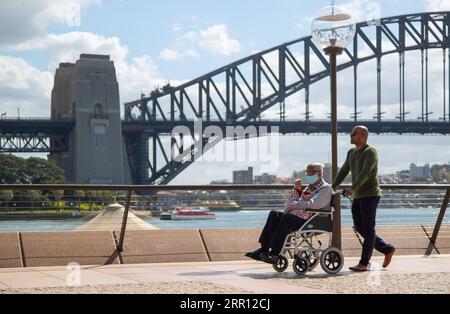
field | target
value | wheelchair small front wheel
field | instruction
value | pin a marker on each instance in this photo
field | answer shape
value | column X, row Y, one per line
column 312, row 258
column 300, row 265
column 332, row 260
column 282, row 264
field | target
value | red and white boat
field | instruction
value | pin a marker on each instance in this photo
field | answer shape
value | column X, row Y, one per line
column 188, row 213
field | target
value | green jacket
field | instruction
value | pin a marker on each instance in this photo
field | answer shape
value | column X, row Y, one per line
column 363, row 164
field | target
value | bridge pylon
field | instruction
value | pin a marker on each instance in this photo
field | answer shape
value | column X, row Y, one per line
column 88, row 92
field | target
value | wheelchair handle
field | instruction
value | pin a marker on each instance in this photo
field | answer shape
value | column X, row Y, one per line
column 346, row 196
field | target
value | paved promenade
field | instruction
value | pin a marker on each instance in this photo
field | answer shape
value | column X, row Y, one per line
column 407, row 274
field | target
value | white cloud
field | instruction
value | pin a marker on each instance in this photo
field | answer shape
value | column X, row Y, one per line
column 176, row 28
column 134, row 76
column 216, row 40
column 68, row 46
column 22, row 85
column 169, row 54
column 190, row 18
column 24, row 28
column 437, row 5
column 304, row 23
column 187, row 22
column 191, row 53
column 22, row 20
column 139, row 75
column 189, row 38
column 363, row 10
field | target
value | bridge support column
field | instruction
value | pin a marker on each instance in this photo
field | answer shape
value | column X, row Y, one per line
column 137, row 145
column 88, row 91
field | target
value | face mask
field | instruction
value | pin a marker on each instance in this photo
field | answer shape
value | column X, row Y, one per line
column 312, row 178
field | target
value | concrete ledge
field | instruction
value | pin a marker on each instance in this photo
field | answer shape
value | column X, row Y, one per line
column 189, row 245
column 350, row 241
column 409, row 240
column 443, row 245
column 443, row 240
column 230, row 244
column 158, row 246
column 61, row 248
column 9, row 250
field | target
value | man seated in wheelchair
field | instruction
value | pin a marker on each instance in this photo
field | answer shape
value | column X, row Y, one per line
column 316, row 196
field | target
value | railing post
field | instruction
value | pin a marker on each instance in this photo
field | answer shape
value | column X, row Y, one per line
column 337, row 239
column 438, row 224
column 124, row 222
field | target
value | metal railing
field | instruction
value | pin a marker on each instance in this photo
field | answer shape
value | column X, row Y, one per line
column 129, row 189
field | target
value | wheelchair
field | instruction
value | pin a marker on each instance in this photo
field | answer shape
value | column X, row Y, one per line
column 306, row 247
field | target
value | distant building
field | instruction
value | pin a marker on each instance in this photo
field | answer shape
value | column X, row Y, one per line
column 166, row 199
column 243, row 176
column 403, row 174
column 419, row 172
column 265, row 178
column 219, row 182
column 296, row 175
column 283, row 181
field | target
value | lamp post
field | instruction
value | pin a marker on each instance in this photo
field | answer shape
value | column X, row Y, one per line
column 333, row 29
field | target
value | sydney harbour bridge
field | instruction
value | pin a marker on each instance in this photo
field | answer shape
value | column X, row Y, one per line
column 240, row 93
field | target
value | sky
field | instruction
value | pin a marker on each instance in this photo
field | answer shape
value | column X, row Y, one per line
column 155, row 42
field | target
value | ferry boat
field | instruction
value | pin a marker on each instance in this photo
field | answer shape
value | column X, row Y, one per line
column 188, row 213
column 217, row 205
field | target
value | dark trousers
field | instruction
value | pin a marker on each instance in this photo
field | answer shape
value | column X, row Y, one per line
column 364, row 212
column 277, row 228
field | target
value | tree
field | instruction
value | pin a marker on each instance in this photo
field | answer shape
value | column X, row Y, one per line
column 37, row 196
column 43, row 171
column 78, row 196
column 440, row 172
column 16, row 170
column 13, row 170
column 57, row 194
column 28, row 198
column 6, row 196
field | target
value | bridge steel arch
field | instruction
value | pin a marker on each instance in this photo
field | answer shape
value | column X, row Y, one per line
column 214, row 98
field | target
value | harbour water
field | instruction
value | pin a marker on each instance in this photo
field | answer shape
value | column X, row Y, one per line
column 237, row 219
column 40, row 225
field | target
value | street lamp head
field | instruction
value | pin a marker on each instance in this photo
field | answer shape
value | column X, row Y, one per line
column 332, row 26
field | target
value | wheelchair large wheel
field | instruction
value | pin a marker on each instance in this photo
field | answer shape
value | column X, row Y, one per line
column 282, row 264
column 300, row 265
column 332, row 260
column 312, row 258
